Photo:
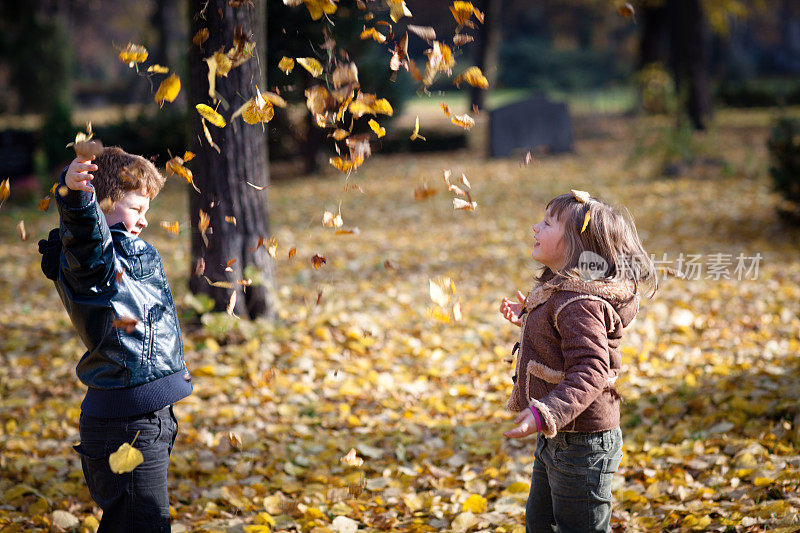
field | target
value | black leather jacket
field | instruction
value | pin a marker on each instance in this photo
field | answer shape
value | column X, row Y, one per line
column 105, row 274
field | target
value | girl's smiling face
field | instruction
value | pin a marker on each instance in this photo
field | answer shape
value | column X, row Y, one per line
column 549, row 248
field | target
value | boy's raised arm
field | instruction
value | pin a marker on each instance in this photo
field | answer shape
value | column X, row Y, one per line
column 87, row 262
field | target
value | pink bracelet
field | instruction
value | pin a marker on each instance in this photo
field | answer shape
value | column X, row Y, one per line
column 536, row 417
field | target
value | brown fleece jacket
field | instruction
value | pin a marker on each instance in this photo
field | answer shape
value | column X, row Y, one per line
column 569, row 354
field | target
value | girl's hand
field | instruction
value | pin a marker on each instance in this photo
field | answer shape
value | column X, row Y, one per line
column 78, row 177
column 511, row 311
column 526, row 425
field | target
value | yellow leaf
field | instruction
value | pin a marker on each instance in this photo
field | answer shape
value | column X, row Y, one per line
column 440, row 59
column 223, row 64
column 158, row 69
column 413, row 502
column 369, row 104
column 374, row 34
column 475, row 504
column 256, row 110
column 286, row 64
column 330, row 220
column 379, row 131
column 265, row 519
column 462, row 11
column 398, row 9
column 208, row 136
column 346, row 165
column 188, row 156
column 415, row 134
column 201, row 36
column 258, row 528
column 168, row 89
column 340, row 134
column 274, row 99
column 132, row 54
column 210, row 115
column 459, row 204
column 465, row 121
column 126, row 458
column 585, row 221
column 311, row 65
column 172, row 227
column 441, row 289
column 44, row 204
column 316, row 8
column 474, row 77
column 5, row 190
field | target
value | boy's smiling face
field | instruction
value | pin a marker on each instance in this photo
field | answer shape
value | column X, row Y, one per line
column 549, row 248
column 130, row 210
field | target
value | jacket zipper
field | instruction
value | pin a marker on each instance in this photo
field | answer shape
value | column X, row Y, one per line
column 150, row 345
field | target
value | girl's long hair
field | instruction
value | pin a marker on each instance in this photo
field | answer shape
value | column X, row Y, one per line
column 610, row 234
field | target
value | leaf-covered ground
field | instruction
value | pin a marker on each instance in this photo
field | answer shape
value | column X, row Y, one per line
column 711, row 377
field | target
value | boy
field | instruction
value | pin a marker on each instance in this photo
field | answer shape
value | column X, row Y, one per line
column 113, row 287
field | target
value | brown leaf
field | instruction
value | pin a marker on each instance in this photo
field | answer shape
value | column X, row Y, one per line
column 318, row 260
column 626, row 10
column 44, row 204
column 202, row 225
column 292, row 251
column 23, row 234
column 426, row 32
column 201, row 36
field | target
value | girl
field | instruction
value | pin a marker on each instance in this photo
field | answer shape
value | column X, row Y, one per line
column 569, row 358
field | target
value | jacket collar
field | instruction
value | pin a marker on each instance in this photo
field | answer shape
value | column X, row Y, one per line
column 615, row 292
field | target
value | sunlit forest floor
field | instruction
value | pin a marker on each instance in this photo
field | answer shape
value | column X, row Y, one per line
column 711, row 376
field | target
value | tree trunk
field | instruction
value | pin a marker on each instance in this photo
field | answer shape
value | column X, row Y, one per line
column 223, row 177
column 690, row 55
column 654, row 40
column 489, row 37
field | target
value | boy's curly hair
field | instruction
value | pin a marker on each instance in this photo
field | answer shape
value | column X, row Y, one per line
column 118, row 172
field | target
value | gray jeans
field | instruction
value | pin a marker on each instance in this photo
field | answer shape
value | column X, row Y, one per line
column 571, row 484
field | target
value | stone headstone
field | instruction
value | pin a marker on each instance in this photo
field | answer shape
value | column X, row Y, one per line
column 535, row 124
column 16, row 153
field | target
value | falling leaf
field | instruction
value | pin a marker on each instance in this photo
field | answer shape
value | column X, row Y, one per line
column 256, row 187
column 400, row 55
column 329, row 220
column 210, row 115
column 398, row 9
column 345, row 74
column 188, row 156
column 318, row 260
column 133, row 54
column 424, row 191
column 207, row 134
column 219, row 284
column 474, row 77
column 172, row 227
column 415, row 134
column 316, row 8
column 340, row 134
column 440, row 59
column 168, row 89
column 426, row 32
column 462, row 11
column 460, row 39
column 158, row 69
column 230, row 220
column 459, row 204
column 374, row 126
column 457, row 311
column 272, row 248
column 585, row 221
column 203, row 222
column 199, row 267
column 5, row 190
column 465, row 121
column 201, row 36
column 311, row 65
column 256, row 110
column 527, row 160
column 126, row 458
column 626, row 10
column 231, row 304
column 286, row 64
column 23, row 235
column 345, row 165
column 175, row 167
column 44, row 204
column 292, row 251
column 369, row 104
column 222, row 64
column 441, row 290
column 125, row 323
column 352, row 459
column 372, row 33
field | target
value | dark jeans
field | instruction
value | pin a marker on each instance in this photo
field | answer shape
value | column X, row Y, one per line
column 136, row 501
column 571, row 484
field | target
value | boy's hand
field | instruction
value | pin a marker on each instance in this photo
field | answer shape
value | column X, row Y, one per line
column 510, row 311
column 78, row 177
column 526, row 425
